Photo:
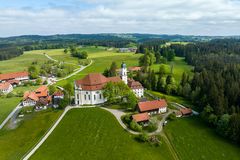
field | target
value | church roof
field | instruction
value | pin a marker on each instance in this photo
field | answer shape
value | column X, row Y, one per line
column 134, row 84
column 95, row 81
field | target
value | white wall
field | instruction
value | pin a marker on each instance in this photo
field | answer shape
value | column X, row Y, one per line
column 89, row 97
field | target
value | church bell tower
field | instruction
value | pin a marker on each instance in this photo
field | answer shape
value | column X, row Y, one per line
column 123, row 73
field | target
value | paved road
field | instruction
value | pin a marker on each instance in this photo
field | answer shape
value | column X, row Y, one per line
column 160, row 123
column 74, row 73
column 34, row 149
column 13, row 113
column 118, row 114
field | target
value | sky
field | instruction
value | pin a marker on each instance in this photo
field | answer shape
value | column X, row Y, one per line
column 186, row 17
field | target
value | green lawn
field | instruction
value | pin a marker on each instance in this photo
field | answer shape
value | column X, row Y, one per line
column 102, row 60
column 6, row 106
column 194, row 141
column 21, row 63
column 17, row 142
column 171, row 98
column 179, row 66
column 94, row 133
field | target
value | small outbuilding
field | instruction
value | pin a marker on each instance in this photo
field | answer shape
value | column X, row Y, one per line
column 186, row 111
column 141, row 118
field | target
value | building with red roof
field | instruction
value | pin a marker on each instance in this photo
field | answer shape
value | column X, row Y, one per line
column 153, row 107
column 141, row 117
column 31, row 98
column 186, row 111
column 6, row 87
column 21, row 76
column 89, row 89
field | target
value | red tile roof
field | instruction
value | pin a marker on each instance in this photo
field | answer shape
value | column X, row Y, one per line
column 95, row 81
column 134, row 68
column 141, row 117
column 186, row 111
column 7, row 76
column 42, row 91
column 152, row 105
column 4, row 86
column 30, row 95
column 13, row 81
column 134, row 84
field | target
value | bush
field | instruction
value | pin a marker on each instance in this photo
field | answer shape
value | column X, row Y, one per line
column 172, row 116
column 135, row 126
column 127, row 119
column 10, row 95
column 152, row 127
column 63, row 103
column 142, row 137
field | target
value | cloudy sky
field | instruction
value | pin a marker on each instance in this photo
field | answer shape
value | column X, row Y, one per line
column 188, row 17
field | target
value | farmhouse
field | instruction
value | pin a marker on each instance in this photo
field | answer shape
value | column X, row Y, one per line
column 141, row 118
column 20, row 76
column 153, row 107
column 6, row 87
column 57, row 97
column 38, row 97
column 89, row 89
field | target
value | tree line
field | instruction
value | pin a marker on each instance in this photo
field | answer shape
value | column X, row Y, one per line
column 215, row 86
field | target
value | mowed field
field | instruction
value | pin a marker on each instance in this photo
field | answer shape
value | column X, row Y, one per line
column 7, row 105
column 14, row 143
column 193, row 140
column 93, row 133
column 103, row 59
column 179, row 66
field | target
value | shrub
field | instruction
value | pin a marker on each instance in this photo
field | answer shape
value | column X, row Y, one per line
column 127, row 119
column 152, row 127
column 10, row 95
column 135, row 126
column 172, row 116
column 142, row 137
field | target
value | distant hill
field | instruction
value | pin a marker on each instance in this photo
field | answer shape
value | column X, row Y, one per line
column 106, row 36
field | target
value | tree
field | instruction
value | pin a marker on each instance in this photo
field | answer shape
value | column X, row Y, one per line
column 113, row 69
column 169, row 79
column 131, row 101
column 161, row 84
column 33, row 71
column 162, row 70
column 65, row 51
column 222, row 125
column 38, row 81
column 52, row 89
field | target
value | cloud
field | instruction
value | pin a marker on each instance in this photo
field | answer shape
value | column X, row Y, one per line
column 198, row 17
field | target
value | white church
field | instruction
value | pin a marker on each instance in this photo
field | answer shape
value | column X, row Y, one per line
column 89, row 89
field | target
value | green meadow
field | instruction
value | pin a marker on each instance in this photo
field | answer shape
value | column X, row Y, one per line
column 93, row 133
column 6, row 106
column 193, row 140
column 15, row 143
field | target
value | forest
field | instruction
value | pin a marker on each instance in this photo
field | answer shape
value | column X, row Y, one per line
column 215, row 86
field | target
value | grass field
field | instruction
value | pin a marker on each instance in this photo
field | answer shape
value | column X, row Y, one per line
column 21, row 63
column 171, row 98
column 179, row 66
column 15, row 143
column 92, row 134
column 6, row 106
column 194, row 141
column 102, row 59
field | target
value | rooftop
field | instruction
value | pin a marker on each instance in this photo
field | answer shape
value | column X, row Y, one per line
column 141, row 117
column 13, row 75
column 152, row 105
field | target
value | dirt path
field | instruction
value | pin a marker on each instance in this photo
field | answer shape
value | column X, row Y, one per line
column 171, row 148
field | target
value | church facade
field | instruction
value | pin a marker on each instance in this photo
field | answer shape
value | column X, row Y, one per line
column 89, row 90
